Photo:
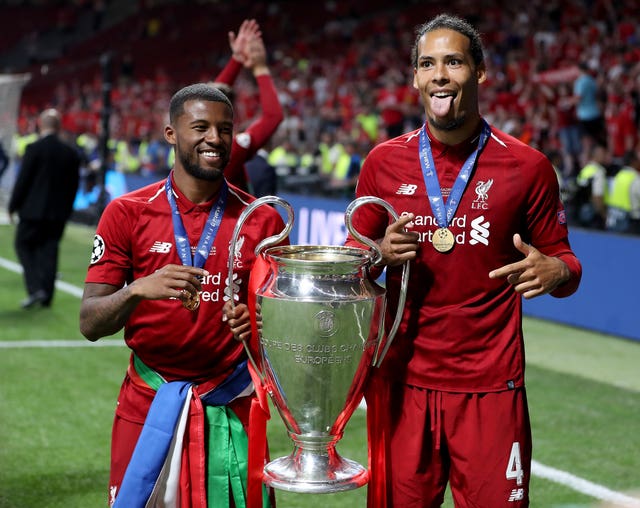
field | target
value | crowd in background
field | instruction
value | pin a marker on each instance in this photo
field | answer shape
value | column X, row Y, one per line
column 344, row 78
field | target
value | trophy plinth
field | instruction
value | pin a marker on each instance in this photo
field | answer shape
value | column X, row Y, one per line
column 315, row 467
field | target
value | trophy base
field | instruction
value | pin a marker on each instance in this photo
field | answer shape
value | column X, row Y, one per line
column 315, row 474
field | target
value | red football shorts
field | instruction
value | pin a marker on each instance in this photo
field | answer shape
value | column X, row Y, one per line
column 479, row 443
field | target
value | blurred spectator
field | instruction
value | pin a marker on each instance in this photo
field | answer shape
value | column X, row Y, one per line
column 284, row 158
column 327, row 153
column 623, row 211
column 99, row 7
column 568, row 129
column 248, row 50
column 21, row 141
column 152, row 155
column 345, row 172
column 127, row 72
column 86, row 203
column 126, row 155
column 43, row 199
column 4, row 161
column 566, row 188
column 262, row 175
column 392, row 102
column 621, row 130
column 332, row 63
column 591, row 190
column 367, row 121
column 588, row 109
column 153, row 28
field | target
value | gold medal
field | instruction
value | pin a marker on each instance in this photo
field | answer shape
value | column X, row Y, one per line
column 192, row 301
column 443, row 240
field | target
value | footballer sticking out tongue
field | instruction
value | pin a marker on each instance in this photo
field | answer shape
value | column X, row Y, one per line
column 440, row 106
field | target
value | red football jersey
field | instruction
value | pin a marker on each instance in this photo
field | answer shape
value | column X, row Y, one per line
column 461, row 330
column 135, row 237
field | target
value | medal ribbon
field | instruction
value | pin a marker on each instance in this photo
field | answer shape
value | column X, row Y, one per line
column 444, row 213
column 209, row 233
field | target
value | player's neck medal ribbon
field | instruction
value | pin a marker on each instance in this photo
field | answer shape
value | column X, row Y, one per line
column 206, row 239
column 442, row 238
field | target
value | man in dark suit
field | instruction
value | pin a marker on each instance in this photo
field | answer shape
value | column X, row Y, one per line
column 261, row 174
column 43, row 197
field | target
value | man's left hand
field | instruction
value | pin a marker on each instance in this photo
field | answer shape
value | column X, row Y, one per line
column 537, row 274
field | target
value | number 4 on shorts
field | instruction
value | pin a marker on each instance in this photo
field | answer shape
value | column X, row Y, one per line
column 514, row 467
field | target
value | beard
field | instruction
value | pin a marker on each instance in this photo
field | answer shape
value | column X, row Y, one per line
column 447, row 125
column 210, row 175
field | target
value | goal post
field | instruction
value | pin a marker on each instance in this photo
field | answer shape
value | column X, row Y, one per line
column 11, row 86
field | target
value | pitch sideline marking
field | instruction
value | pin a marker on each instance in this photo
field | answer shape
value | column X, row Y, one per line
column 24, row 344
column 537, row 469
column 584, row 486
column 60, row 284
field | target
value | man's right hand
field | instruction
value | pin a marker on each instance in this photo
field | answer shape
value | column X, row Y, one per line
column 398, row 244
column 248, row 30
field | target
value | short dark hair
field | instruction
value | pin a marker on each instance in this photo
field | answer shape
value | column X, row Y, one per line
column 198, row 91
column 456, row 24
column 225, row 89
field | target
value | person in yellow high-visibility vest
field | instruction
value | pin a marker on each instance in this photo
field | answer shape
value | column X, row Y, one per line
column 345, row 172
column 329, row 150
column 126, row 156
column 284, row 158
column 22, row 141
column 592, row 189
column 623, row 205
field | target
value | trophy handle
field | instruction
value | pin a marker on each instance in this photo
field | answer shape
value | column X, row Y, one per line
column 267, row 242
column 353, row 206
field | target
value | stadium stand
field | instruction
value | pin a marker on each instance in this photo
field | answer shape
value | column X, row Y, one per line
column 331, row 61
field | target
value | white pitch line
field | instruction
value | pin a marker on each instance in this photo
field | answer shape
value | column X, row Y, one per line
column 21, row 344
column 10, row 265
column 61, row 285
column 537, row 469
column 584, row 486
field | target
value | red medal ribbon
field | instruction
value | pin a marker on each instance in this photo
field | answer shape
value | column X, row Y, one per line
column 378, row 426
column 259, row 413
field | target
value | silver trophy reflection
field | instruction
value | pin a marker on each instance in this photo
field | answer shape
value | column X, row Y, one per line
column 322, row 330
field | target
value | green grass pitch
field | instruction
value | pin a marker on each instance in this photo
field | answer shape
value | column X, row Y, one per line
column 56, row 405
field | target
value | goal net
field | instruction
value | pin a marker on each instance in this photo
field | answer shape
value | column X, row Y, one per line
column 11, row 86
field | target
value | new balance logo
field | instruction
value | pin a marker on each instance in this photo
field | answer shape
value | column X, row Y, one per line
column 479, row 231
column 161, row 247
column 516, row 495
column 407, row 189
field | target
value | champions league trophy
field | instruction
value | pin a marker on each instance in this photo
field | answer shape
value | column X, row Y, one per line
column 321, row 330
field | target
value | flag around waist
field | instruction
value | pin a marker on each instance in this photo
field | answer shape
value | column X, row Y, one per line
column 227, row 441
